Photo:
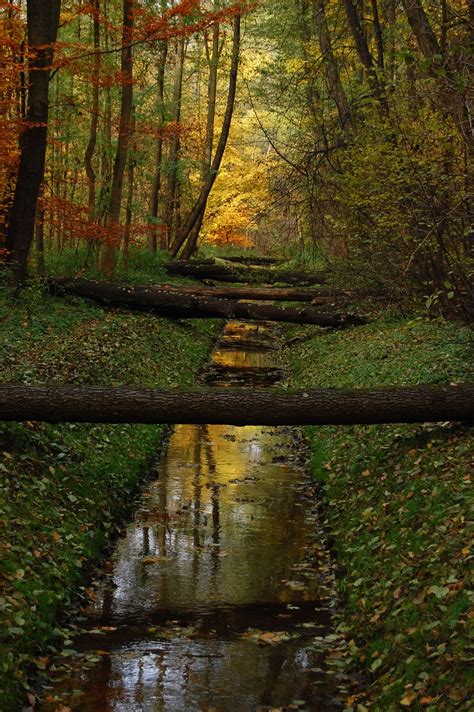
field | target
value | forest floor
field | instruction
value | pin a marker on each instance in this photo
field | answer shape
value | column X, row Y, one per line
column 396, row 499
column 66, row 489
column 397, row 503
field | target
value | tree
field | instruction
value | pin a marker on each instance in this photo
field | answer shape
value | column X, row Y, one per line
column 42, row 24
column 201, row 202
column 125, row 131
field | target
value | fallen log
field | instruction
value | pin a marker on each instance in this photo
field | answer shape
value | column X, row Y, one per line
column 224, row 273
column 325, row 406
column 246, row 260
column 177, row 306
column 273, row 294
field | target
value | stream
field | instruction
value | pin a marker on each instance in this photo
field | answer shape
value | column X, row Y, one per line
column 219, row 596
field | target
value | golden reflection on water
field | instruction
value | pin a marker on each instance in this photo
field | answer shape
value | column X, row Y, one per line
column 222, row 521
column 218, row 532
column 241, row 359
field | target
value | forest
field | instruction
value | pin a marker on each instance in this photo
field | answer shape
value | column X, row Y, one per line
column 236, row 373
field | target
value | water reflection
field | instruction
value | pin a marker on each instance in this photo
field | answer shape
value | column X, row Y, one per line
column 219, row 522
column 222, row 543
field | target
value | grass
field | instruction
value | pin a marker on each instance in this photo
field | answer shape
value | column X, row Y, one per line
column 141, row 267
column 64, row 488
column 397, row 506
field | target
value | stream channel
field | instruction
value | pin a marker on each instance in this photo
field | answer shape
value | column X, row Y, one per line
column 219, row 596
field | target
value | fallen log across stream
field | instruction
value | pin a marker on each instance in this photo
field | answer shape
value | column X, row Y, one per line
column 224, row 273
column 271, row 294
column 176, row 305
column 246, row 260
column 324, row 406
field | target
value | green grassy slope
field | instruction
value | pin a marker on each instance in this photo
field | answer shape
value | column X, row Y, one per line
column 397, row 505
column 63, row 488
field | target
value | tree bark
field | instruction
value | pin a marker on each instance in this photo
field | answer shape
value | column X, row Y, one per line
column 200, row 205
column 456, row 101
column 42, row 27
column 39, row 234
column 364, row 53
column 90, row 150
column 213, row 62
column 333, row 81
column 129, row 205
column 272, row 294
column 156, row 187
column 125, row 128
column 223, row 273
column 248, row 260
column 325, row 406
column 175, row 146
column 179, row 306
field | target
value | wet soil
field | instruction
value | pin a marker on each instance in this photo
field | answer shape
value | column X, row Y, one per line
column 219, row 596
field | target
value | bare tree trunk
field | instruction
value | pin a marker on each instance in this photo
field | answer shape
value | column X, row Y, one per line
column 378, row 35
column 364, row 53
column 129, row 206
column 91, row 177
column 213, row 61
column 108, row 256
column 42, row 24
column 156, row 185
column 325, row 406
column 201, row 202
column 39, row 234
column 335, row 87
column 175, row 147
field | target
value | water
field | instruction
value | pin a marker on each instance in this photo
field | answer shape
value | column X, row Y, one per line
column 219, row 595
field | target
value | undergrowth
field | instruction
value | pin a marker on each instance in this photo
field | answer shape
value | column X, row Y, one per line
column 64, row 488
column 397, row 504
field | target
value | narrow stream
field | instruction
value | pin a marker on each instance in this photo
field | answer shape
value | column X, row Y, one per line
column 218, row 597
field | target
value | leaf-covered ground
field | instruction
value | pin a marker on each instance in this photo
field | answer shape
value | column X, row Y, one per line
column 397, row 504
column 64, row 487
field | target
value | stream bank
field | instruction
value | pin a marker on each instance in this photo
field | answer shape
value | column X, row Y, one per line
column 65, row 489
column 398, row 509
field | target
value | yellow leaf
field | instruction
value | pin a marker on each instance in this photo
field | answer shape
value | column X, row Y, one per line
column 408, row 699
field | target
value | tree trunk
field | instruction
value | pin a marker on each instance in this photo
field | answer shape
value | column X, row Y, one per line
column 175, row 147
column 222, row 273
column 335, row 87
column 201, row 202
column 89, row 154
column 249, row 260
column 113, row 214
column 272, row 294
column 325, row 406
column 454, row 98
column 42, row 24
column 213, row 61
column 364, row 53
column 179, row 306
column 39, row 234
column 129, row 205
column 156, row 186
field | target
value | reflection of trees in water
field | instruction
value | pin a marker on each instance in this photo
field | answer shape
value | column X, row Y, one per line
column 208, row 444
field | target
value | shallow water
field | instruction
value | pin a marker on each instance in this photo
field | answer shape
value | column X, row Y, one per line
column 217, row 598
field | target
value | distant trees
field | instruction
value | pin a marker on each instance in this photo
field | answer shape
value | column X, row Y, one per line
column 368, row 107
